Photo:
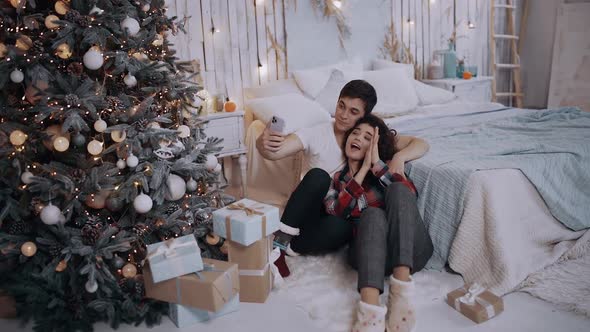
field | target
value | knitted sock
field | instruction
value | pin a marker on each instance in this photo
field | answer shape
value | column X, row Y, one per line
column 401, row 315
column 282, row 265
column 369, row 318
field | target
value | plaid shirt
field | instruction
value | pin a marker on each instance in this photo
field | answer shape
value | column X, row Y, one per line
column 347, row 199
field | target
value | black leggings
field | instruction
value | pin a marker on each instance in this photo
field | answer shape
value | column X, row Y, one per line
column 319, row 231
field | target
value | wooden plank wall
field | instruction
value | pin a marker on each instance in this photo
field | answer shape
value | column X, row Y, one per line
column 242, row 43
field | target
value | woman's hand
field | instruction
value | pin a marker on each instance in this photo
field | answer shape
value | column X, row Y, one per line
column 375, row 146
column 365, row 167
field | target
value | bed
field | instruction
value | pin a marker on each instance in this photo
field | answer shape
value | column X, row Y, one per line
column 501, row 228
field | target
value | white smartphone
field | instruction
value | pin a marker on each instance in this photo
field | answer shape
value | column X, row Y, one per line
column 277, row 124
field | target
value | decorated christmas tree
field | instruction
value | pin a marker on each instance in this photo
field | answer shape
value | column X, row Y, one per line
column 100, row 154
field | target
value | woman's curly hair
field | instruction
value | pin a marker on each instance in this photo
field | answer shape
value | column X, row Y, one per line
column 387, row 137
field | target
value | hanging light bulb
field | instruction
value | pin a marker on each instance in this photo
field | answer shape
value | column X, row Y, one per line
column 470, row 25
column 410, row 21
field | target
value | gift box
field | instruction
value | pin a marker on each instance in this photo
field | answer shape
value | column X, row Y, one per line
column 7, row 305
column 255, row 285
column 246, row 221
column 209, row 289
column 183, row 316
column 475, row 302
column 252, row 257
column 174, row 258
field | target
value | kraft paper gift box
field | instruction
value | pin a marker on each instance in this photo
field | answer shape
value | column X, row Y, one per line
column 174, row 258
column 475, row 302
column 183, row 316
column 252, row 257
column 246, row 221
column 255, row 285
column 209, row 289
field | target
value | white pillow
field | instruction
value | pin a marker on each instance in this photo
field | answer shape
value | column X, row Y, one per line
column 296, row 111
column 380, row 64
column 429, row 95
column 312, row 81
column 396, row 94
column 328, row 97
column 275, row 88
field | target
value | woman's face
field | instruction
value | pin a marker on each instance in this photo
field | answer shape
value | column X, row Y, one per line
column 358, row 142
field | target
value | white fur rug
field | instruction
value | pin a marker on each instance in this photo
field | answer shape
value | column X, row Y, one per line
column 567, row 282
column 325, row 288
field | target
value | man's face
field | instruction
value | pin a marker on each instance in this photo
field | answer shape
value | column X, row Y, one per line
column 348, row 111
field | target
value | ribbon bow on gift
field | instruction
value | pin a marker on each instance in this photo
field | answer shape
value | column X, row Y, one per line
column 169, row 249
column 248, row 210
column 473, row 296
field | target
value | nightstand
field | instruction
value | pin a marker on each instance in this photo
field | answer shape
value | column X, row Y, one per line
column 230, row 127
column 474, row 89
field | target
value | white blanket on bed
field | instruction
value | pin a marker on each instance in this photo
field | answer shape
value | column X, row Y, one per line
column 506, row 231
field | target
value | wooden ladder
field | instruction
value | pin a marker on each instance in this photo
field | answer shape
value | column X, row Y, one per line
column 515, row 47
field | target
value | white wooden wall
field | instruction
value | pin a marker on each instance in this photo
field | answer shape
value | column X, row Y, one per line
column 232, row 38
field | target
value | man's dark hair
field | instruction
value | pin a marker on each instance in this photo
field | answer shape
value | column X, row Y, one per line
column 363, row 90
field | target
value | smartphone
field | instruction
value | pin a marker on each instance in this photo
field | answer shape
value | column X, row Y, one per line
column 282, row 240
column 277, row 124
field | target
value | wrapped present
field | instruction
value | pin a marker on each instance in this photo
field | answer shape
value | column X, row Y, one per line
column 252, row 257
column 475, row 302
column 183, row 316
column 174, row 258
column 255, row 285
column 209, row 289
column 7, row 305
column 246, row 221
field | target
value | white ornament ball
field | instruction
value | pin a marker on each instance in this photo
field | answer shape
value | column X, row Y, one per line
column 61, row 144
column 91, row 286
column 211, row 162
column 93, row 58
column 100, row 125
column 130, row 80
column 94, row 147
column 145, row 7
column 132, row 161
column 17, row 137
column 50, row 215
column 96, row 10
column 217, row 168
column 27, row 177
column 142, row 203
column 176, row 188
column 131, row 25
column 154, row 125
column 50, row 22
column 121, row 164
column 191, row 185
column 118, row 135
column 183, row 131
column 17, row 76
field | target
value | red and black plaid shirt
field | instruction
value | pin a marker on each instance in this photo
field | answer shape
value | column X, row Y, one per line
column 347, row 198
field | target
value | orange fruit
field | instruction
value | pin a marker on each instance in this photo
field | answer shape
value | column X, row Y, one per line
column 467, row 75
column 230, row 106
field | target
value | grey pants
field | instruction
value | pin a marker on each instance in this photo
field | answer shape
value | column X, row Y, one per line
column 389, row 238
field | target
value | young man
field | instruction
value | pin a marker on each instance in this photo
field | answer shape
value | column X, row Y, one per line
column 323, row 153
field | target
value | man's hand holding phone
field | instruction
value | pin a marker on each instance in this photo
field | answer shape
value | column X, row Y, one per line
column 272, row 138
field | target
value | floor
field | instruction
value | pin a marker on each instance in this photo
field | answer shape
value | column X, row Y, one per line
column 523, row 313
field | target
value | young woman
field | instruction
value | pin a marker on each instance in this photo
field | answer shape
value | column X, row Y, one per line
column 389, row 236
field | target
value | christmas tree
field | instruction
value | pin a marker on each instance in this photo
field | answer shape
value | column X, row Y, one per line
column 101, row 153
